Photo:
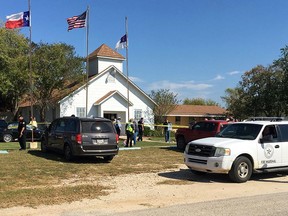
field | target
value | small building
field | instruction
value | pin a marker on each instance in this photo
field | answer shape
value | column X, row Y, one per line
column 183, row 115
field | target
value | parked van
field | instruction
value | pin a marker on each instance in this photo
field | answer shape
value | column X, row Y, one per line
column 75, row 136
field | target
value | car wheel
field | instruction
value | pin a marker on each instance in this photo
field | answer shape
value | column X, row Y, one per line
column 241, row 170
column 43, row 146
column 68, row 154
column 108, row 159
column 181, row 143
column 7, row 137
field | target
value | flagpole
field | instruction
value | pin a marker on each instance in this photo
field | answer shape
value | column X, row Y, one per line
column 128, row 100
column 30, row 66
column 87, row 59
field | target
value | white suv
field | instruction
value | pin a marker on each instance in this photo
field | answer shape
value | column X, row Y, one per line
column 241, row 149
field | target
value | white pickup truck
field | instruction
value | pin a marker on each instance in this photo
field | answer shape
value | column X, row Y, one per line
column 241, row 149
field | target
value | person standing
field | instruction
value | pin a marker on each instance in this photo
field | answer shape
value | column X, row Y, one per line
column 167, row 130
column 140, row 129
column 118, row 126
column 129, row 128
column 22, row 133
column 136, row 130
column 33, row 122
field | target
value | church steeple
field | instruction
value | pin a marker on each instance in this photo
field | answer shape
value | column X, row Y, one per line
column 102, row 58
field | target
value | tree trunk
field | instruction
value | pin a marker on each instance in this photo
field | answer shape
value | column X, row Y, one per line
column 42, row 113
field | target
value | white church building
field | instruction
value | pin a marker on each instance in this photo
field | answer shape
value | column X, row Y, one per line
column 110, row 94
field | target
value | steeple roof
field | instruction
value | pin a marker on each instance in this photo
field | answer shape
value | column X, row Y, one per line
column 105, row 51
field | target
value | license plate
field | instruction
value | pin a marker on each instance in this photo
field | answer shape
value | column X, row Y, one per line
column 100, row 141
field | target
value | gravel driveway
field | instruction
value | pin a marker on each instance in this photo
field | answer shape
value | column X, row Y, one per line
column 156, row 190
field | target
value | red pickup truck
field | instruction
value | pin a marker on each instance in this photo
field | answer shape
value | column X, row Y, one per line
column 201, row 129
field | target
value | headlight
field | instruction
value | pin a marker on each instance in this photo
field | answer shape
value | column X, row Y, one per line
column 222, row 152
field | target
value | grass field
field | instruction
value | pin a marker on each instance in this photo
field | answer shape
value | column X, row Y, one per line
column 31, row 178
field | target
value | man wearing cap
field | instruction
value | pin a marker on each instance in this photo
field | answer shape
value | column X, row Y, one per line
column 22, row 133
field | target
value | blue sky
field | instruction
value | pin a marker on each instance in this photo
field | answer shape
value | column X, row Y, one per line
column 195, row 48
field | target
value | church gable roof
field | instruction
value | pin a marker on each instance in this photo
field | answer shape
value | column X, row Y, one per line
column 105, row 51
column 109, row 95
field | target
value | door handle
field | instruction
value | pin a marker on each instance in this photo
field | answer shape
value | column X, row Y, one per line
column 277, row 146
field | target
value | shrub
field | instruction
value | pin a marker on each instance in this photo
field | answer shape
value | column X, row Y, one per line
column 147, row 131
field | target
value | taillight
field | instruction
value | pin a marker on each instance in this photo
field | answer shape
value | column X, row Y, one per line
column 78, row 138
column 117, row 138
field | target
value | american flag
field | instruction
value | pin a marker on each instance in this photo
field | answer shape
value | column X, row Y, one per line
column 77, row 21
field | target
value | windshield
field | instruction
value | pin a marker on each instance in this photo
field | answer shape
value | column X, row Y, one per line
column 241, row 131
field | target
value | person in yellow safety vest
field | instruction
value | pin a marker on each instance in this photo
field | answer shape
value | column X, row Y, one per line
column 129, row 128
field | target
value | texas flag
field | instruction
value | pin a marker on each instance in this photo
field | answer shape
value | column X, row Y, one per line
column 18, row 20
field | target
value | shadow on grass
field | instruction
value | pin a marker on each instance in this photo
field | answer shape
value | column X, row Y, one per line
column 55, row 156
column 172, row 148
column 187, row 175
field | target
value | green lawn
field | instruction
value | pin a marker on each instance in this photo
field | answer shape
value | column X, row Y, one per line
column 31, row 178
column 9, row 146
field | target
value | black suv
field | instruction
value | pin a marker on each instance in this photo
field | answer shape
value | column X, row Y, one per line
column 75, row 136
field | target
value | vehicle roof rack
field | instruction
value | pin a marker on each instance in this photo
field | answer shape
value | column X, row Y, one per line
column 272, row 119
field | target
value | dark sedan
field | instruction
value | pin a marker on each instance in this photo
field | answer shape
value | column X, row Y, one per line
column 11, row 133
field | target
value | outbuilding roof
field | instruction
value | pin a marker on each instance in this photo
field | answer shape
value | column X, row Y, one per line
column 197, row 110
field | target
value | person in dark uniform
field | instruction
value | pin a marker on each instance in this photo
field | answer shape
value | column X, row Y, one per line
column 141, row 129
column 22, row 133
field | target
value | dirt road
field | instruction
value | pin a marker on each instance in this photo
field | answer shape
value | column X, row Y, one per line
column 156, row 190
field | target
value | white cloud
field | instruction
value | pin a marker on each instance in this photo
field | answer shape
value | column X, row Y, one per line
column 219, row 77
column 233, row 72
column 188, row 85
column 136, row 79
column 187, row 89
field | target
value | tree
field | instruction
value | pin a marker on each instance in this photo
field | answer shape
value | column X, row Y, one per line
column 55, row 66
column 200, row 101
column 234, row 103
column 14, row 70
column 260, row 89
column 257, row 94
column 281, row 65
column 166, row 101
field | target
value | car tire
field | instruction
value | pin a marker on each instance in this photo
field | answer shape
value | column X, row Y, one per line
column 108, row 159
column 68, row 154
column 7, row 137
column 43, row 146
column 241, row 170
column 181, row 143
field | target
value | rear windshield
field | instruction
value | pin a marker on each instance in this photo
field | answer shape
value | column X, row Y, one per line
column 205, row 126
column 97, row 127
